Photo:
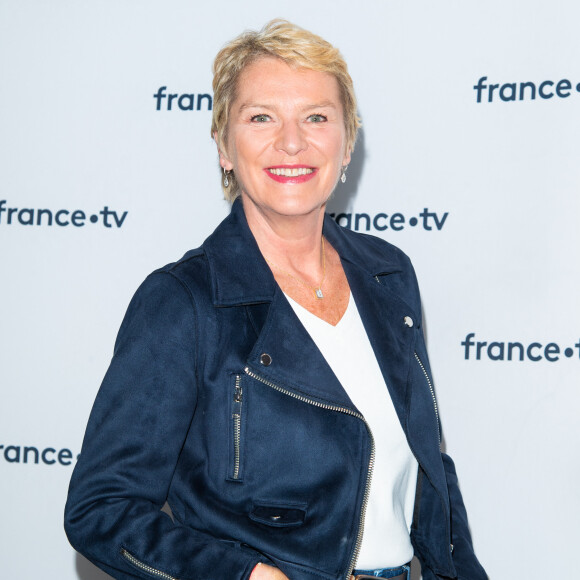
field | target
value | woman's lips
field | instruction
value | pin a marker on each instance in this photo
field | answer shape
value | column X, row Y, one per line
column 291, row 174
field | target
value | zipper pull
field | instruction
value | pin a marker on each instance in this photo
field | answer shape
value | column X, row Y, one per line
column 238, row 394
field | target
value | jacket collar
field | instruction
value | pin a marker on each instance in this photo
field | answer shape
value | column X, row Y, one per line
column 240, row 275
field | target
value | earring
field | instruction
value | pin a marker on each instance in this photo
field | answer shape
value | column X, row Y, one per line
column 343, row 173
column 226, row 180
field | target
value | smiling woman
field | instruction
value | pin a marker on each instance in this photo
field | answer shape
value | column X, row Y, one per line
column 286, row 128
column 273, row 386
column 301, row 51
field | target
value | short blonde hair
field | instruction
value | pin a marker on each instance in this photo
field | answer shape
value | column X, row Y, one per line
column 298, row 48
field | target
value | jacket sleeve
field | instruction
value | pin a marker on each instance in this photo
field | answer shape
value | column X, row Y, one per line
column 136, row 430
column 465, row 562
column 464, row 558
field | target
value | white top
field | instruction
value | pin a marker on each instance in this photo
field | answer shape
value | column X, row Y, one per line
column 348, row 351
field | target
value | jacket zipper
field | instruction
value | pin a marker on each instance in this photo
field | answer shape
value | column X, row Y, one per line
column 237, row 418
column 346, row 411
column 438, row 428
column 432, row 395
column 138, row 564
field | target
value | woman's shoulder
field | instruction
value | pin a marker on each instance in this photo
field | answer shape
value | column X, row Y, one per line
column 192, row 263
column 184, row 281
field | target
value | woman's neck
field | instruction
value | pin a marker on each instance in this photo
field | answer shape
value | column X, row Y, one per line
column 289, row 241
column 306, row 268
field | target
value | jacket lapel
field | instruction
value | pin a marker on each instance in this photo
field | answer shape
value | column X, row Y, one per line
column 382, row 314
column 240, row 276
column 286, row 355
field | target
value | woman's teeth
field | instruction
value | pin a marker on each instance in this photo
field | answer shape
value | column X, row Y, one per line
column 291, row 172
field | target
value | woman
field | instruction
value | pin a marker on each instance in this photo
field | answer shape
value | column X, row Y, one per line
column 273, row 386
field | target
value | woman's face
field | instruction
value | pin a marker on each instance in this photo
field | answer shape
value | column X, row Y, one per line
column 286, row 138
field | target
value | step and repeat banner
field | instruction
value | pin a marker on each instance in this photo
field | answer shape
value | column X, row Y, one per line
column 469, row 160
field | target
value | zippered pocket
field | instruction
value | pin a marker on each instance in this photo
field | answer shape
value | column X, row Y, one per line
column 236, row 430
column 153, row 572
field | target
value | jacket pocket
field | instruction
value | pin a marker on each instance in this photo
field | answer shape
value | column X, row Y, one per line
column 237, row 430
column 278, row 515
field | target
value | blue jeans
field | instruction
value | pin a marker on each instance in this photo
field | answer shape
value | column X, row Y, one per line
column 385, row 572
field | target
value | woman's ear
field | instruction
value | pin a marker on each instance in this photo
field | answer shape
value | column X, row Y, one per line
column 225, row 162
column 346, row 158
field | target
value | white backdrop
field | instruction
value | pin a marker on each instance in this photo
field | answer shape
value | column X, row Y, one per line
column 493, row 187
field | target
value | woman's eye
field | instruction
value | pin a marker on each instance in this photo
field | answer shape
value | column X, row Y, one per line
column 317, row 118
column 260, row 118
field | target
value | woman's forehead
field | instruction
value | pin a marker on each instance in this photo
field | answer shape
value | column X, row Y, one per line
column 268, row 79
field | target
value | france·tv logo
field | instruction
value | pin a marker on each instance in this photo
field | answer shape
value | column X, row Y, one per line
column 185, row 101
column 523, row 91
column 35, row 455
column 427, row 220
column 501, row 350
column 28, row 216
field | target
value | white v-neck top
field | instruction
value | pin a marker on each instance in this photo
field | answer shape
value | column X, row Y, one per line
column 348, row 351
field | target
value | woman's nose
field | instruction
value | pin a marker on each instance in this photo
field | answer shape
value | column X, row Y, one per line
column 290, row 139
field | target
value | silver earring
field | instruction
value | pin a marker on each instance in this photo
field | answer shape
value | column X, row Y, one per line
column 226, row 180
column 343, row 173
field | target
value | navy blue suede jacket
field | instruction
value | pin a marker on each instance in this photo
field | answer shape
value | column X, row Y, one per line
column 218, row 402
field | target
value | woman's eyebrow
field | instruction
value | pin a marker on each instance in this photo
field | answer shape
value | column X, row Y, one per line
column 323, row 104
column 255, row 106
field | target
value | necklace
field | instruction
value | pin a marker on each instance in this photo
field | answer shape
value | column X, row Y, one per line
column 316, row 289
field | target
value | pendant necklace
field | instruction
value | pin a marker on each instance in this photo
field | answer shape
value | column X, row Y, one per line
column 316, row 289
